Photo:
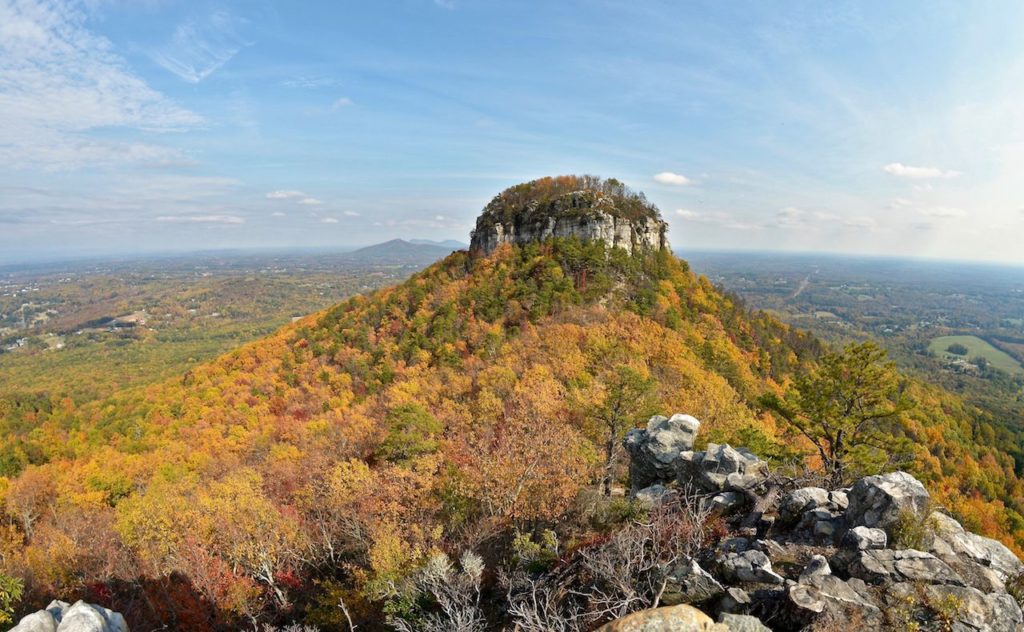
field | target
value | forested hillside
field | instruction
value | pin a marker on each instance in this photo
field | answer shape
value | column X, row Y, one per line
column 473, row 407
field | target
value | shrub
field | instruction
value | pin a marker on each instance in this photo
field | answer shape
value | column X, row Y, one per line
column 910, row 529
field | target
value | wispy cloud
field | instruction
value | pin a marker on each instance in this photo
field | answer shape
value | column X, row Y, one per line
column 942, row 212
column 199, row 47
column 329, row 220
column 201, row 219
column 310, row 201
column 278, row 214
column 675, row 179
column 343, row 102
column 59, row 82
column 351, row 214
column 906, row 171
column 285, row 194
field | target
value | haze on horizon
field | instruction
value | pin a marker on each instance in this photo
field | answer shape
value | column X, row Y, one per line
column 154, row 126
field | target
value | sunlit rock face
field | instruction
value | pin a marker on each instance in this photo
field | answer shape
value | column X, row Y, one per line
column 582, row 207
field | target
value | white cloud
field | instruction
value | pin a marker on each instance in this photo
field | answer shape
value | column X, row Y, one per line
column 439, row 218
column 943, row 212
column 667, row 177
column 906, row 171
column 202, row 219
column 790, row 216
column 285, row 194
column 687, row 213
column 309, row 201
column 278, row 214
column 860, row 221
column 899, row 203
column 351, row 214
column 199, row 48
column 329, row 220
column 59, row 81
column 343, row 102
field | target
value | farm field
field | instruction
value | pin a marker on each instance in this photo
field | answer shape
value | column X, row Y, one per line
column 977, row 348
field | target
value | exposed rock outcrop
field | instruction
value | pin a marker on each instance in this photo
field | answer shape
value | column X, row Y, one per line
column 820, row 557
column 582, row 207
column 60, row 616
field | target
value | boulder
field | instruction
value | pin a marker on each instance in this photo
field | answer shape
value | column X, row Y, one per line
column 689, row 583
column 742, row 623
column 749, row 566
column 669, row 619
column 828, row 595
column 652, row 495
column 735, row 600
column 721, row 468
column 81, row 617
column 726, row 502
column 798, row 501
column 970, row 546
column 817, row 567
column 885, row 566
column 654, row 450
column 38, row 621
column 880, row 501
column 864, row 538
column 997, row 612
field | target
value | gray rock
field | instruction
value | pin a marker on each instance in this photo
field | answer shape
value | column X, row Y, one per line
column 742, row 623
column 652, row 495
column 993, row 613
column 655, row 450
column 689, row 583
column 839, row 500
column 828, row 594
column 39, row 621
column 886, row 566
column 817, row 567
column 749, row 566
column 879, row 501
column 726, row 502
column 795, row 503
column 721, row 468
column 978, row 549
column 864, row 538
column 81, row 617
column 734, row 600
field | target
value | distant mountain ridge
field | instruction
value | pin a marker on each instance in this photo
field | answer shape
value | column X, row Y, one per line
column 401, row 252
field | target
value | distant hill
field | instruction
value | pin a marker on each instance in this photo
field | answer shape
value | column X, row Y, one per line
column 401, row 252
column 452, row 244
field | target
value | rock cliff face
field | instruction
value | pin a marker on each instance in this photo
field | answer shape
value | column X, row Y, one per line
column 598, row 210
column 808, row 558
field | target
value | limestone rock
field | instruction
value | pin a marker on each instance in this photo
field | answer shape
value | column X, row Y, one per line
column 879, row 501
column 670, row 619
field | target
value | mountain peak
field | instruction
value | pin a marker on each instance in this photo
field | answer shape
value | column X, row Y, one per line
column 586, row 207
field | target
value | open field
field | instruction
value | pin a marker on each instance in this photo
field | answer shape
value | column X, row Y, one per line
column 977, row 348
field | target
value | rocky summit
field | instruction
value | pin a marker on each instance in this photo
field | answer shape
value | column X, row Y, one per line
column 877, row 555
column 583, row 207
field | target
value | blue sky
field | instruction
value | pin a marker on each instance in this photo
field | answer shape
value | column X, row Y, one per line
column 886, row 128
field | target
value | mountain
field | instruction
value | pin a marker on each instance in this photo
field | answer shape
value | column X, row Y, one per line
column 478, row 407
column 399, row 251
column 450, row 244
